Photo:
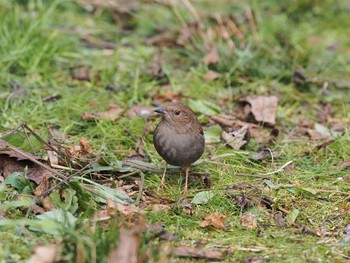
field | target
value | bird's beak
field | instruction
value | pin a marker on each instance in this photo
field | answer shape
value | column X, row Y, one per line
column 160, row 110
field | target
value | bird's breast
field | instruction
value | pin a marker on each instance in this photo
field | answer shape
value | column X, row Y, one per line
column 178, row 148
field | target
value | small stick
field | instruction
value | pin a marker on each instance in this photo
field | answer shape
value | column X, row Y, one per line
column 60, row 177
column 13, row 131
column 279, row 169
column 43, row 141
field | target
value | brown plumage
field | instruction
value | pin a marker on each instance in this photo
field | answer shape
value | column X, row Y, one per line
column 179, row 137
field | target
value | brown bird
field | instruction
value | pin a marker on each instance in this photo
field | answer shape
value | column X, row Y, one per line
column 178, row 138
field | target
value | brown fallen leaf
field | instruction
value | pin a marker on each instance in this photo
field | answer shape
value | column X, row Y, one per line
column 236, row 139
column 185, row 251
column 223, row 120
column 345, row 165
column 317, row 136
column 280, row 220
column 82, row 72
column 263, row 109
column 215, row 220
column 159, row 207
column 112, row 114
column 53, row 158
column 127, row 210
column 128, row 246
column 42, row 187
column 248, row 220
column 212, row 75
column 139, row 110
column 212, row 57
column 80, row 151
column 163, row 39
column 12, row 161
column 85, row 146
column 44, row 254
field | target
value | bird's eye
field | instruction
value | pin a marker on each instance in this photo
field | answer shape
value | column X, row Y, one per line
column 177, row 112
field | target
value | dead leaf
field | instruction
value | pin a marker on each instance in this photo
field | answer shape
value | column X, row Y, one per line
column 42, row 187
column 128, row 246
column 85, row 146
column 248, row 220
column 184, row 251
column 12, row 161
column 158, row 231
column 212, row 75
column 159, row 207
column 325, row 112
column 212, row 57
column 127, row 210
column 44, row 254
column 82, row 72
column 112, row 114
column 317, row 136
column 187, row 207
column 236, row 139
column 280, row 220
column 53, row 158
column 164, row 39
column 80, row 151
column 263, row 109
column 139, row 110
column 345, row 165
column 215, row 220
column 223, row 120
column 262, row 154
column 241, row 186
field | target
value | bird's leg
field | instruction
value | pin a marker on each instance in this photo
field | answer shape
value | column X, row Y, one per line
column 163, row 178
column 187, row 169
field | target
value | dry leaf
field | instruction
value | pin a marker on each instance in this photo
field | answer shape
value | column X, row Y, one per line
column 82, row 72
column 128, row 246
column 262, row 108
column 184, row 251
column 12, row 161
column 212, row 57
column 127, row 210
column 212, row 75
column 53, row 159
column 159, row 207
column 223, row 120
column 317, row 136
column 345, row 165
column 236, row 139
column 280, row 220
column 215, row 220
column 139, row 110
column 248, row 220
column 112, row 114
column 42, row 187
column 44, row 254
column 80, row 151
column 85, row 146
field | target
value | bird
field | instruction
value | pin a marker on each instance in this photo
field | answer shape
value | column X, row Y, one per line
column 178, row 138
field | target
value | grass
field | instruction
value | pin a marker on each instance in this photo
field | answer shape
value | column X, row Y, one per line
column 43, row 43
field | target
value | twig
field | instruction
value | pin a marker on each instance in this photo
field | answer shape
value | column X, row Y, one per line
column 60, row 177
column 43, row 141
column 279, row 169
column 13, row 131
